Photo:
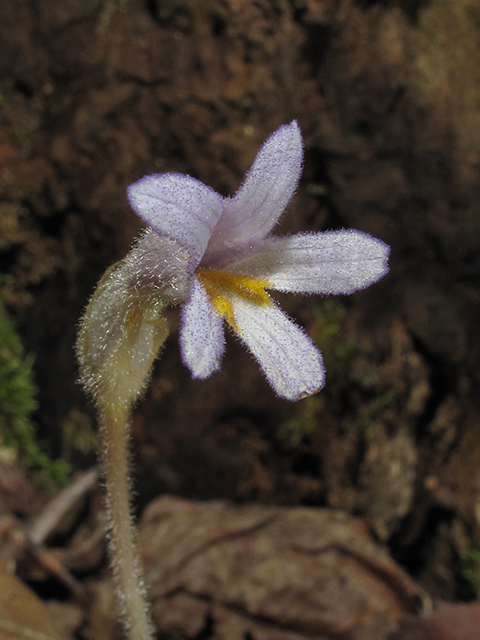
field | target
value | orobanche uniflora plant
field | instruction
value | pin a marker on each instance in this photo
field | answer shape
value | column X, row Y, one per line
column 218, row 258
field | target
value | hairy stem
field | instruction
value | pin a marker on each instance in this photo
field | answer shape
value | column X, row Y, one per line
column 124, row 556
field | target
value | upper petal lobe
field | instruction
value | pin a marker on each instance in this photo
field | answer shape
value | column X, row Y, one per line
column 179, row 207
column 269, row 186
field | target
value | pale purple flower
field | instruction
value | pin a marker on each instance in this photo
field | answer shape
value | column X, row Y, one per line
column 232, row 259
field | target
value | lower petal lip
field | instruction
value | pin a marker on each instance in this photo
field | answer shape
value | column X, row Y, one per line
column 287, row 356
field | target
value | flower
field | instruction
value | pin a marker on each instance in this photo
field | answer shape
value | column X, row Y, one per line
column 233, row 259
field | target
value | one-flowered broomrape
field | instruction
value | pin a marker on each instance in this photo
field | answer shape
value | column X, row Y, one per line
column 232, row 260
column 218, row 258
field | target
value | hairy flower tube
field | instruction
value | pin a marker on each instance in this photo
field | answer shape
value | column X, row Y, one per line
column 233, row 260
column 123, row 327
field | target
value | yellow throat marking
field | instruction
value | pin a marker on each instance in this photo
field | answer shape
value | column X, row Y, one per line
column 221, row 286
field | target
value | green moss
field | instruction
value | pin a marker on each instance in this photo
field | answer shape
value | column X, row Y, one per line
column 17, row 403
column 328, row 333
column 78, row 435
column 470, row 568
column 365, row 428
column 304, row 422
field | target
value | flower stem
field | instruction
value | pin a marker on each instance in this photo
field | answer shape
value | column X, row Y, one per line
column 124, row 556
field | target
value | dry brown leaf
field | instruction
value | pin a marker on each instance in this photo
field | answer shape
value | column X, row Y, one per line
column 16, row 493
column 23, row 616
column 269, row 573
column 102, row 618
column 448, row 622
column 68, row 617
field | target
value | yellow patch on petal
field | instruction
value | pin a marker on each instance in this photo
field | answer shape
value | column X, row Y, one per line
column 221, row 286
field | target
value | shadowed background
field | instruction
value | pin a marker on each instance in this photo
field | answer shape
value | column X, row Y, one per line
column 94, row 94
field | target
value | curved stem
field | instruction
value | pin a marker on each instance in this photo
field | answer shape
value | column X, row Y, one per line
column 124, row 556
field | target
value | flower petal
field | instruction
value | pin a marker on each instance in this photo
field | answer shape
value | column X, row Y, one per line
column 290, row 361
column 333, row 262
column 202, row 338
column 178, row 207
column 268, row 188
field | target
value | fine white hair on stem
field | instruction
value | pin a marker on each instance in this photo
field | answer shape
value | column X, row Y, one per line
column 120, row 335
column 127, row 570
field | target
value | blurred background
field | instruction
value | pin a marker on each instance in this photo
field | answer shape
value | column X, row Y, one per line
column 95, row 94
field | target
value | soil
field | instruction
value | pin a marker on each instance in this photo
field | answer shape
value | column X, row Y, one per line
column 95, row 94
